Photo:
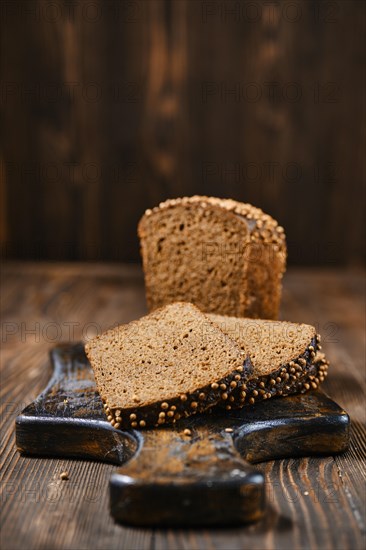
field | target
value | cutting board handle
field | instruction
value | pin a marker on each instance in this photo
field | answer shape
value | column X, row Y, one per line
column 195, row 478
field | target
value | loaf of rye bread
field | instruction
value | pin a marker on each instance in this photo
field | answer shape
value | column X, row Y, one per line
column 282, row 358
column 224, row 256
column 170, row 364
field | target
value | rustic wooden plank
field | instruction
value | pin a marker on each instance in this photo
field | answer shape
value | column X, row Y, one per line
column 112, row 106
column 343, row 329
column 269, row 77
column 75, row 514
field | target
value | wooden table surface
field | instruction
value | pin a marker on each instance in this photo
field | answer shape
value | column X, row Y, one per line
column 312, row 502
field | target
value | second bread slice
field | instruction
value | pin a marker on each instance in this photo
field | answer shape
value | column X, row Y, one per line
column 172, row 363
column 282, row 358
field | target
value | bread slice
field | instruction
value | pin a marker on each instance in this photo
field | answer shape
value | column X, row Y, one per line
column 222, row 255
column 172, row 363
column 282, row 358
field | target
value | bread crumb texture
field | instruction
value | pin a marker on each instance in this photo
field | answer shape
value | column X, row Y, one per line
column 169, row 364
column 222, row 255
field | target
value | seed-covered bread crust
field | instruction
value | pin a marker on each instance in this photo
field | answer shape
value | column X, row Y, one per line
column 282, row 358
column 170, row 364
column 225, row 256
column 264, row 227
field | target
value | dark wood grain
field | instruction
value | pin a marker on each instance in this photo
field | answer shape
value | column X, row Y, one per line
column 315, row 503
column 111, row 106
column 192, row 471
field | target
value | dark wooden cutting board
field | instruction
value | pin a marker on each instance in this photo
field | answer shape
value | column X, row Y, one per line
column 167, row 476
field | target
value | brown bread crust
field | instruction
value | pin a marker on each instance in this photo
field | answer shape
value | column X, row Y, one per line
column 184, row 405
column 304, row 373
column 255, row 289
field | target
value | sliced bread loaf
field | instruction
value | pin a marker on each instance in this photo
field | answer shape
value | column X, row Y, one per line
column 172, row 363
column 222, row 255
column 282, row 358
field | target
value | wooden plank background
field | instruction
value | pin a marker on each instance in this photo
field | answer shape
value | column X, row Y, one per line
column 110, row 106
